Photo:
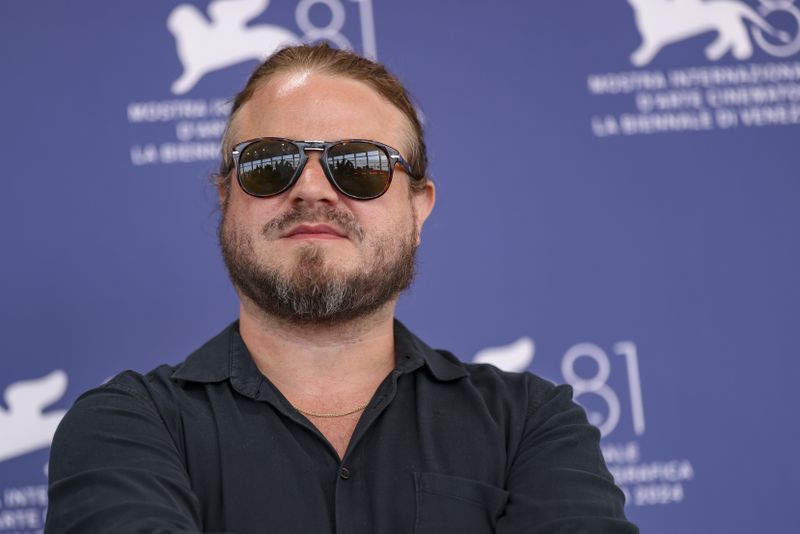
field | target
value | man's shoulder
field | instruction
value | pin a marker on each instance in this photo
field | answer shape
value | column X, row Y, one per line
column 142, row 384
column 515, row 402
column 491, row 374
column 518, row 390
column 130, row 390
column 161, row 385
column 513, row 386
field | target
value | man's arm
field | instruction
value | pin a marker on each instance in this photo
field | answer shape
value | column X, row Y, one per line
column 115, row 468
column 558, row 481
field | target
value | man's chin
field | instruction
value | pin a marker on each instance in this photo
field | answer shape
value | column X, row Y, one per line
column 320, row 256
column 320, row 246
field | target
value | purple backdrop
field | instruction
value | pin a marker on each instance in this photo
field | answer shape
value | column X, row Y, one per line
column 617, row 208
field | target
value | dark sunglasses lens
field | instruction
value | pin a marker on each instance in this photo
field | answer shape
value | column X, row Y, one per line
column 361, row 170
column 266, row 167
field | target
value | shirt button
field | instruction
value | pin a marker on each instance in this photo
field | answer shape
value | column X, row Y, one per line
column 344, row 473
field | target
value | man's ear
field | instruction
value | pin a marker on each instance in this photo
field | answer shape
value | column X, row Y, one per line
column 423, row 202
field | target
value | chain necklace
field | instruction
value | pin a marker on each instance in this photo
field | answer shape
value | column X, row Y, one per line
column 333, row 414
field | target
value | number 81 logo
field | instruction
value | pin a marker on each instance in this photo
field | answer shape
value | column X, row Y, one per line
column 598, row 384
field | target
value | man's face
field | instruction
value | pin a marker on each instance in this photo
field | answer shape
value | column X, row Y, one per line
column 312, row 254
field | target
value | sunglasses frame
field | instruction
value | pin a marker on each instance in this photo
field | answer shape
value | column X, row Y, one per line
column 391, row 153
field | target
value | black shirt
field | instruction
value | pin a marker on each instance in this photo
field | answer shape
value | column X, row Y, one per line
column 443, row 447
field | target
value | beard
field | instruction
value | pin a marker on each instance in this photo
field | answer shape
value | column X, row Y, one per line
column 311, row 291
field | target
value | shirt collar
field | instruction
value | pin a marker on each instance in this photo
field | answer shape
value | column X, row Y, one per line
column 207, row 364
column 442, row 364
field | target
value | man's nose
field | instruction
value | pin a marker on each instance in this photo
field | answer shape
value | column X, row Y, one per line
column 312, row 185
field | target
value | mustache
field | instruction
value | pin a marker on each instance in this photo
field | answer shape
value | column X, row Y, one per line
column 323, row 214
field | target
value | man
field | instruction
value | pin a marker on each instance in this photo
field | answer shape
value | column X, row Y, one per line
column 317, row 412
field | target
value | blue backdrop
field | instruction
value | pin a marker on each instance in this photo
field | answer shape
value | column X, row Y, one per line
column 617, row 208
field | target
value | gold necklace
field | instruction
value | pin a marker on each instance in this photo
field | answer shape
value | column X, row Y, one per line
column 333, row 414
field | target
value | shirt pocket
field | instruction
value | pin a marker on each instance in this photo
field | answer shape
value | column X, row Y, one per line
column 448, row 504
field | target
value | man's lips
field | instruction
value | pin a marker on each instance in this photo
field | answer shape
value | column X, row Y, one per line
column 314, row 231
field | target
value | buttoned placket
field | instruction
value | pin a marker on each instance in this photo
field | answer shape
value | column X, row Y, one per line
column 348, row 489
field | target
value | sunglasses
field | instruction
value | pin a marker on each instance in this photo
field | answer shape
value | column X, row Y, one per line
column 357, row 168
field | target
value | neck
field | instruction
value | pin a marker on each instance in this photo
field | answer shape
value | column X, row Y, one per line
column 320, row 360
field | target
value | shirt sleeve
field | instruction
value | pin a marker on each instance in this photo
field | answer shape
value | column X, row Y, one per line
column 558, row 481
column 115, row 468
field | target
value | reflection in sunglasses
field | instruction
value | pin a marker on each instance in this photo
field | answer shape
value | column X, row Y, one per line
column 371, row 161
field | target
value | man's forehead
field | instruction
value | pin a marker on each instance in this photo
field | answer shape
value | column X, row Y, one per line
column 307, row 105
column 290, row 82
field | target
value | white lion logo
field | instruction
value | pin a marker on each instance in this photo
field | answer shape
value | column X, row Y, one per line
column 663, row 22
column 224, row 40
column 25, row 426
